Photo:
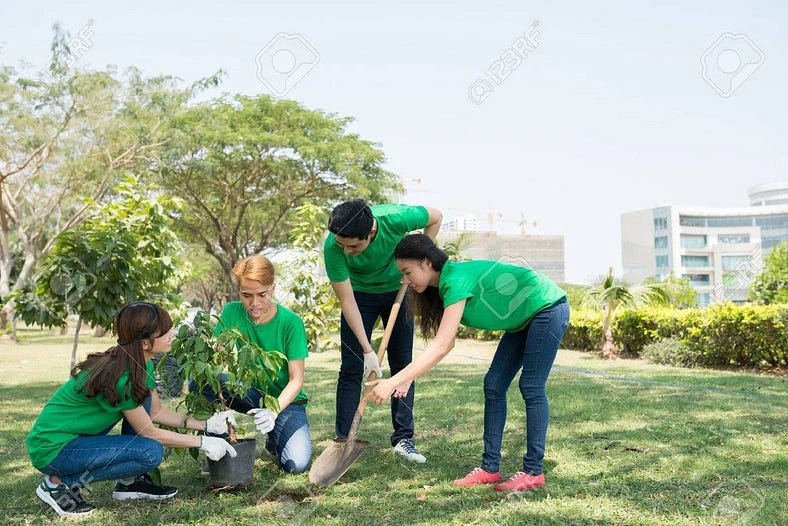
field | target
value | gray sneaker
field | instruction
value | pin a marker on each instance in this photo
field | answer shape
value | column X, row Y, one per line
column 407, row 448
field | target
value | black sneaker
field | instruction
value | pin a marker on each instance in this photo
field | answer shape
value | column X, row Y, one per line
column 143, row 488
column 64, row 500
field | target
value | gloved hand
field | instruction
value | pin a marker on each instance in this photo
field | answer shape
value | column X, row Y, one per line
column 217, row 424
column 371, row 364
column 264, row 419
column 215, row 447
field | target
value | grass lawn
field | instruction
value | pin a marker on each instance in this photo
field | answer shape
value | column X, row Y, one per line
column 629, row 443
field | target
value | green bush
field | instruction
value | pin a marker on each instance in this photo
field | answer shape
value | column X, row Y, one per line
column 584, row 332
column 478, row 334
column 633, row 329
column 669, row 351
column 748, row 336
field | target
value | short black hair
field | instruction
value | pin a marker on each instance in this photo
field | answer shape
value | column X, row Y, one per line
column 351, row 219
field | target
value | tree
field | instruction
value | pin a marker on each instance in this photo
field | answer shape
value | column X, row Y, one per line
column 680, row 293
column 611, row 294
column 457, row 247
column 313, row 299
column 66, row 136
column 243, row 165
column 126, row 251
column 771, row 285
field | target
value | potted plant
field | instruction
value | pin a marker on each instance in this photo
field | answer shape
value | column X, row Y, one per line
column 204, row 358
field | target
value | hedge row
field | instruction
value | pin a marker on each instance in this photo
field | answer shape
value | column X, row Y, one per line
column 717, row 336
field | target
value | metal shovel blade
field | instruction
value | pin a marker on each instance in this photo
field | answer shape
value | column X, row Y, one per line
column 335, row 460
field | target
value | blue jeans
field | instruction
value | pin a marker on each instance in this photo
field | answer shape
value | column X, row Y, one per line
column 351, row 371
column 91, row 458
column 290, row 439
column 531, row 350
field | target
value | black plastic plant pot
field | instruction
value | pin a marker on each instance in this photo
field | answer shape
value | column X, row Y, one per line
column 235, row 471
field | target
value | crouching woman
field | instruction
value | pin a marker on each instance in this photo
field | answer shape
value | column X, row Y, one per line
column 70, row 443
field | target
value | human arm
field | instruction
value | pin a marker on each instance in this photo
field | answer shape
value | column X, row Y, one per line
column 433, row 222
column 438, row 348
column 217, row 424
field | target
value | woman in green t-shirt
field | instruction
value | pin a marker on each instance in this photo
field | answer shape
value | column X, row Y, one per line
column 490, row 295
column 274, row 328
column 70, row 443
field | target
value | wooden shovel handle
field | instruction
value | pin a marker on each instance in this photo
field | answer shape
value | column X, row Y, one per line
column 381, row 353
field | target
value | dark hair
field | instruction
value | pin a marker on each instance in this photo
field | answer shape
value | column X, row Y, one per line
column 428, row 305
column 351, row 219
column 134, row 323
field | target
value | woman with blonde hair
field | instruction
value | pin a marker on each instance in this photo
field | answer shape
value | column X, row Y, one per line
column 274, row 328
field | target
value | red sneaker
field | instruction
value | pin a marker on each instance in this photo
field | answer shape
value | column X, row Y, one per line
column 521, row 482
column 476, row 477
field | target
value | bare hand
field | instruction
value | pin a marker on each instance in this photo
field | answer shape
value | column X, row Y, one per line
column 382, row 391
column 402, row 390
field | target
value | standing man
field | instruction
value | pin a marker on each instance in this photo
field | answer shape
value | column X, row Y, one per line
column 359, row 258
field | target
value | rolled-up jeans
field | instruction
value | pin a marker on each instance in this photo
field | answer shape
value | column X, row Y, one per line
column 91, row 458
column 290, row 438
column 532, row 351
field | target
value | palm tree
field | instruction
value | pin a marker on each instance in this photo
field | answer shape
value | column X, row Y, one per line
column 456, row 249
column 611, row 294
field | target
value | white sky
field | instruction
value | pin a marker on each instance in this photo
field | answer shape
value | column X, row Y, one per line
column 609, row 113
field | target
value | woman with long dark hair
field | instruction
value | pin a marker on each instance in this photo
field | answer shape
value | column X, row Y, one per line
column 490, row 295
column 70, row 443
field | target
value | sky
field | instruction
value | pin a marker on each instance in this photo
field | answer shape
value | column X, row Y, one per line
column 566, row 113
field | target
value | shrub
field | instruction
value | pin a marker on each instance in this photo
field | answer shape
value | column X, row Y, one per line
column 747, row 336
column 669, row 351
column 584, row 332
column 633, row 329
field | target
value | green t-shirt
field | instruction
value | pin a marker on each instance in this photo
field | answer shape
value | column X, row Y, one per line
column 499, row 296
column 374, row 270
column 70, row 413
column 284, row 333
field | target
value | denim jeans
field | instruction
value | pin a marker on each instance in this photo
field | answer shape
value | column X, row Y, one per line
column 290, row 438
column 399, row 352
column 531, row 350
column 91, row 458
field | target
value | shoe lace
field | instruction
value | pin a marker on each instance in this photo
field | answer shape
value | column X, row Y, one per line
column 409, row 447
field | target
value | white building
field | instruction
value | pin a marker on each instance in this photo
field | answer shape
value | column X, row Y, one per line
column 466, row 223
column 721, row 250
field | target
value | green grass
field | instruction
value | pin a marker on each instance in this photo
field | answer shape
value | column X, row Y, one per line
column 629, row 443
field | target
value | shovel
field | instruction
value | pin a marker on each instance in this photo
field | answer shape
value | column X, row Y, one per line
column 337, row 458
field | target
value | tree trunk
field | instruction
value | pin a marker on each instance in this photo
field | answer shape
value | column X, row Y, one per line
column 608, row 351
column 76, row 342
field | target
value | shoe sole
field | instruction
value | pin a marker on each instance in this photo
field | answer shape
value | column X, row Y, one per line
column 134, row 495
column 472, row 484
column 421, row 460
column 518, row 490
column 49, row 501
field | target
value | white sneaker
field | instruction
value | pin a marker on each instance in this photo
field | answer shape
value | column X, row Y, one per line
column 407, row 448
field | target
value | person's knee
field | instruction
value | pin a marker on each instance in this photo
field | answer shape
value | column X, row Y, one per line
column 154, row 454
column 493, row 387
column 296, row 466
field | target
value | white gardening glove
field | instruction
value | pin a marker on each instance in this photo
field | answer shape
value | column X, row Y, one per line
column 371, row 364
column 217, row 424
column 264, row 419
column 215, row 447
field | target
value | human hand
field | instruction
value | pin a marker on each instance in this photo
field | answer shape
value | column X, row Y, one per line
column 215, row 447
column 371, row 364
column 217, row 424
column 382, row 390
column 264, row 419
column 401, row 390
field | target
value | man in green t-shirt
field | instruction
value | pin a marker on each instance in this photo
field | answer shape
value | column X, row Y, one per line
column 359, row 258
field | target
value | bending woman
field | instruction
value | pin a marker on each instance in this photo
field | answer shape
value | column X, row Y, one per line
column 533, row 312
column 69, row 441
